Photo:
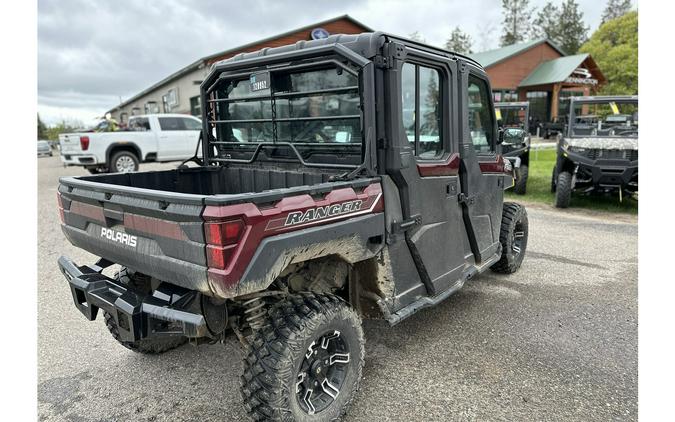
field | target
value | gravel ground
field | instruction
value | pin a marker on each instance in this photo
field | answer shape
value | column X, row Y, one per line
column 557, row 341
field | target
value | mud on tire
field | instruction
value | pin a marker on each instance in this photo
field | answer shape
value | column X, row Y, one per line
column 273, row 386
column 513, row 238
column 145, row 346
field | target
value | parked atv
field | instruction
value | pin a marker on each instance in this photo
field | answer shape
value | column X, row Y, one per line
column 321, row 200
column 599, row 151
column 513, row 119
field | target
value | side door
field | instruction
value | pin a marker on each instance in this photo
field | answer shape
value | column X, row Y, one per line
column 424, row 131
column 193, row 127
column 172, row 141
column 482, row 169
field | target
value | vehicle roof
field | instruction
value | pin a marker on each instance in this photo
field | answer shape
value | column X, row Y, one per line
column 366, row 44
column 163, row 115
column 605, row 98
column 513, row 104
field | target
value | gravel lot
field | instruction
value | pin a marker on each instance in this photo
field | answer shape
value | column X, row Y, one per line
column 556, row 341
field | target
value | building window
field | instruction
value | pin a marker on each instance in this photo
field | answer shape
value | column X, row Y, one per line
column 539, row 107
column 505, row 95
column 135, row 111
column 421, row 109
column 166, row 108
column 151, row 107
column 172, row 97
column 196, row 106
column 124, row 117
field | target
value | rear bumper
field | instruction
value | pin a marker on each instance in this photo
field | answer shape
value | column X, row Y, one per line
column 78, row 159
column 167, row 311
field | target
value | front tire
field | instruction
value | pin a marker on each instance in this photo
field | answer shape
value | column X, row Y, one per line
column 563, row 191
column 513, row 238
column 306, row 363
column 123, row 162
column 521, row 180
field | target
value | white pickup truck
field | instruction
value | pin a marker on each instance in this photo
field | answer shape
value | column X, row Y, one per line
column 152, row 137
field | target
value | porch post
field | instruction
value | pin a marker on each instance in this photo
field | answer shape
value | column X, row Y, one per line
column 554, row 99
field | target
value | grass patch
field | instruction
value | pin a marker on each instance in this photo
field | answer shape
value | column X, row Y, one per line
column 539, row 188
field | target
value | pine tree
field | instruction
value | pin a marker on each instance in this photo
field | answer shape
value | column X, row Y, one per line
column 459, row 42
column 547, row 23
column 41, row 129
column 615, row 9
column 572, row 30
column 517, row 21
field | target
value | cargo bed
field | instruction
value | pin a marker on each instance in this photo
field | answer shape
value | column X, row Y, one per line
column 154, row 222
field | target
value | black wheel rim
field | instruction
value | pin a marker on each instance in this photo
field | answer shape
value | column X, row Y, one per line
column 322, row 372
column 517, row 238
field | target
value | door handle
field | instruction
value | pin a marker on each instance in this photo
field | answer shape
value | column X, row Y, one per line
column 466, row 199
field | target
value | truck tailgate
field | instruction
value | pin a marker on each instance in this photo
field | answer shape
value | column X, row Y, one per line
column 70, row 143
column 161, row 237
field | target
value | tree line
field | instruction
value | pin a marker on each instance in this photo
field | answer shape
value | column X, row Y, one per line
column 52, row 132
column 563, row 24
column 613, row 46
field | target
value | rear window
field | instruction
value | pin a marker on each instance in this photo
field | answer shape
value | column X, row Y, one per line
column 317, row 111
column 171, row 123
column 139, row 124
column 192, row 124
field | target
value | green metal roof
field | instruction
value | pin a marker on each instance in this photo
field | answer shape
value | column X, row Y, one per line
column 553, row 71
column 492, row 57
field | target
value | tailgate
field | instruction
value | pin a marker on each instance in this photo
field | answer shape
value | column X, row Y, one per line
column 70, row 143
column 158, row 235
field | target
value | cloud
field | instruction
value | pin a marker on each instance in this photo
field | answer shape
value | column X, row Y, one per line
column 91, row 53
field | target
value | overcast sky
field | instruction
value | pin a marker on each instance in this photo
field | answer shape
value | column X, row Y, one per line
column 91, row 53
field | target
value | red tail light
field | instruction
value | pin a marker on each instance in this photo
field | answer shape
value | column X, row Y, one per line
column 221, row 239
column 219, row 257
column 84, row 142
column 224, row 233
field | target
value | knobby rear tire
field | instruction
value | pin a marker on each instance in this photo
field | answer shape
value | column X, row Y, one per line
column 514, row 221
column 276, row 353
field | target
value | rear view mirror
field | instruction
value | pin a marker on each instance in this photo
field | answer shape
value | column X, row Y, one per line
column 512, row 136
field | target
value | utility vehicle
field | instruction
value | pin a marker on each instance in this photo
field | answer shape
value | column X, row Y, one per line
column 513, row 120
column 599, row 151
column 350, row 177
column 151, row 137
